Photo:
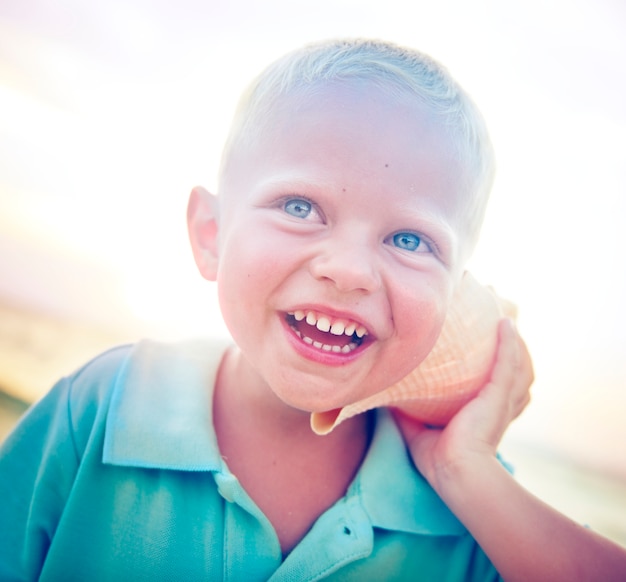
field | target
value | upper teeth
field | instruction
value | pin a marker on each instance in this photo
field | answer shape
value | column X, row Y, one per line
column 327, row 324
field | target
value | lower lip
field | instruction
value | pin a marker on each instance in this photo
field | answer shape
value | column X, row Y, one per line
column 319, row 356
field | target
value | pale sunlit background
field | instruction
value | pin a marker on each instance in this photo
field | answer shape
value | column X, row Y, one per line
column 111, row 111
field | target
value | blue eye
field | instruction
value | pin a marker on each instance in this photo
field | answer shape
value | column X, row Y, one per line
column 298, row 207
column 407, row 241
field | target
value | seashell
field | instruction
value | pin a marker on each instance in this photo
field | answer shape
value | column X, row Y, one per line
column 454, row 371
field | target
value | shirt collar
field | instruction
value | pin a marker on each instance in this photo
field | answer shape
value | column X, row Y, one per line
column 160, row 406
column 393, row 493
column 158, row 419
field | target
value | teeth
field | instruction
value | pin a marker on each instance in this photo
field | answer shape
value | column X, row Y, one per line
column 338, row 327
column 324, row 323
column 327, row 348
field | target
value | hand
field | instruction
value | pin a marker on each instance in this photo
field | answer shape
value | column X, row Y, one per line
column 478, row 427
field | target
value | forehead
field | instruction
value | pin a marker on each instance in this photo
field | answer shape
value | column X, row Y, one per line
column 356, row 125
column 359, row 120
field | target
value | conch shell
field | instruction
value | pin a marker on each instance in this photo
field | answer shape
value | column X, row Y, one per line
column 453, row 372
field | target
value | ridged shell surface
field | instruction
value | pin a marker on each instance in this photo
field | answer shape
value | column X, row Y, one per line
column 453, row 372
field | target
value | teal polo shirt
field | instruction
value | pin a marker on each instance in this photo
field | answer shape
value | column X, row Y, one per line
column 116, row 475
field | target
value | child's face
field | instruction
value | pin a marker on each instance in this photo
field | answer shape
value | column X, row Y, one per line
column 345, row 212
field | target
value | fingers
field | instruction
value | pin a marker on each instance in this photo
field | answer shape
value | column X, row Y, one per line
column 513, row 371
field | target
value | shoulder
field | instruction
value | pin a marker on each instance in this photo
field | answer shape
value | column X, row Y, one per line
column 91, row 384
column 128, row 377
column 78, row 395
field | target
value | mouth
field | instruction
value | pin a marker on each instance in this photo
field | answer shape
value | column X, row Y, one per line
column 326, row 333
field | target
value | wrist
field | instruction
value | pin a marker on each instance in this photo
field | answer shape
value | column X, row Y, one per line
column 466, row 477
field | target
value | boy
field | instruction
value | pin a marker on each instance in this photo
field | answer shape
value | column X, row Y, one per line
column 351, row 192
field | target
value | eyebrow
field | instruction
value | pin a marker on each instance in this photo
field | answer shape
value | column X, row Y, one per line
column 288, row 181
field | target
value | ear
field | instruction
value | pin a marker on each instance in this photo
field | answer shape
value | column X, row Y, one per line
column 202, row 225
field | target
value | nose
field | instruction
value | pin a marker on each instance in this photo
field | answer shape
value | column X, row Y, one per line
column 349, row 265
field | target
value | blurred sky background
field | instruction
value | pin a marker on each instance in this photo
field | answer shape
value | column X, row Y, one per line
column 111, row 111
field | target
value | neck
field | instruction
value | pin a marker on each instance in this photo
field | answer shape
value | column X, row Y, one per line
column 291, row 473
column 244, row 403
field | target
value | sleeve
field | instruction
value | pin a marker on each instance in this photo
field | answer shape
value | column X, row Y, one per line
column 38, row 463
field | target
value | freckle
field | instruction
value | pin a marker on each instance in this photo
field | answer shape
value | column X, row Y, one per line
column 343, row 189
column 386, row 165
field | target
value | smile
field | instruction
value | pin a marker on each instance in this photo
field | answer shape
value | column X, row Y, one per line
column 337, row 335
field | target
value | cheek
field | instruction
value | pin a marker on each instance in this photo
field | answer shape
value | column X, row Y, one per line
column 421, row 320
column 253, row 248
column 250, row 271
column 236, row 280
